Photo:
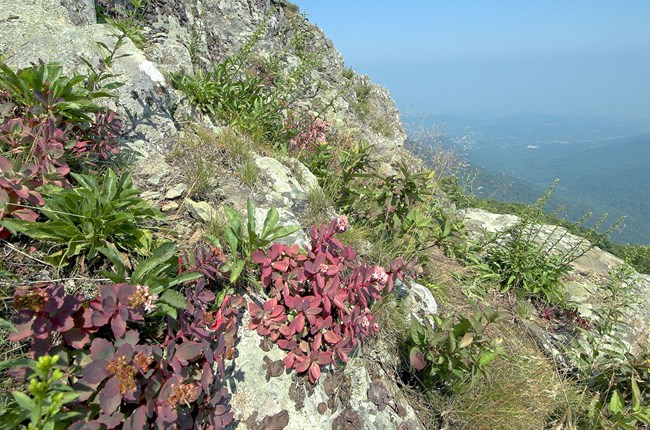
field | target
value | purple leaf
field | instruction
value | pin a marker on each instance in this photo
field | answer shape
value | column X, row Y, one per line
column 118, row 325
column 188, row 351
column 110, row 397
column 101, row 349
column 95, row 372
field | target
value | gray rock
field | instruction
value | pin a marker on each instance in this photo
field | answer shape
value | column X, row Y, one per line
column 284, row 191
column 150, row 195
column 81, row 12
column 46, row 29
column 176, row 191
column 202, row 211
column 374, row 402
column 170, row 206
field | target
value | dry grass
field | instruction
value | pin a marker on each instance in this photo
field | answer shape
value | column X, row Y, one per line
column 202, row 155
column 524, row 391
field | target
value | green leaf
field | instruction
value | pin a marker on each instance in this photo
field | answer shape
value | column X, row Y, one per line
column 466, row 340
column 636, row 394
column 109, row 187
column 272, row 218
column 183, row 278
column 6, row 325
column 17, row 362
column 24, row 401
column 173, row 298
column 236, row 269
column 165, row 309
column 487, row 358
column 231, row 239
column 277, row 233
column 615, row 403
column 250, row 210
column 418, row 332
column 162, row 254
column 213, row 240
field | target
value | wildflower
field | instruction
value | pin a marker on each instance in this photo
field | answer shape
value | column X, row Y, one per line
column 323, row 268
column 379, row 275
column 142, row 362
column 34, row 300
column 364, row 322
column 125, row 373
column 143, row 297
column 182, row 394
column 342, row 224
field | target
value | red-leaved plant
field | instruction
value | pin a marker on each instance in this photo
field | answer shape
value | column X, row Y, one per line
column 319, row 302
column 38, row 145
column 173, row 381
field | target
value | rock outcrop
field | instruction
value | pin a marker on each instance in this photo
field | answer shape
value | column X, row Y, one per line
column 186, row 32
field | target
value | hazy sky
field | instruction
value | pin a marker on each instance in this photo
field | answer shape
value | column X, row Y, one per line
column 575, row 57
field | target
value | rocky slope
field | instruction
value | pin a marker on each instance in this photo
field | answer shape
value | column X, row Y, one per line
column 187, row 33
column 181, row 33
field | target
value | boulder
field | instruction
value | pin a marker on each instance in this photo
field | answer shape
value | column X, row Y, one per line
column 347, row 398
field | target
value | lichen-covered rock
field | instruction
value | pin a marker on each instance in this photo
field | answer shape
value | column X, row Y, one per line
column 32, row 30
column 347, row 399
column 418, row 300
column 185, row 32
column 81, row 12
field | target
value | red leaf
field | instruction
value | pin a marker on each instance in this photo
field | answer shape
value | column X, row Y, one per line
column 259, row 257
column 417, row 359
column 314, row 373
column 298, row 323
column 188, row 351
column 303, row 365
column 282, row 266
column 23, row 331
column 332, row 337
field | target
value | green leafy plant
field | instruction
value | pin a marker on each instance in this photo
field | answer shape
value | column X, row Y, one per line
column 619, row 378
column 47, row 395
column 454, row 349
column 128, row 19
column 395, row 196
column 621, row 412
column 531, row 259
column 91, row 217
column 243, row 240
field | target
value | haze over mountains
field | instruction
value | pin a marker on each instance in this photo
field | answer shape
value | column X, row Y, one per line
column 602, row 162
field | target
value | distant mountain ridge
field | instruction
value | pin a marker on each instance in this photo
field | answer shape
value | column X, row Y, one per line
column 601, row 170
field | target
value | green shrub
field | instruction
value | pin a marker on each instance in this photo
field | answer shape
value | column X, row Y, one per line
column 47, row 396
column 255, row 96
column 128, row 20
column 528, row 259
column 454, row 349
column 638, row 257
column 92, row 216
column 618, row 378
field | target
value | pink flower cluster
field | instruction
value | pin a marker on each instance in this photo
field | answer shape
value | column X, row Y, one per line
column 307, row 131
